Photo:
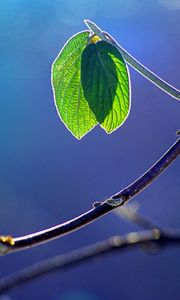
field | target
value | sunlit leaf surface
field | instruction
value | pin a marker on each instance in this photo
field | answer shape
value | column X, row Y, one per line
column 91, row 85
column 71, row 104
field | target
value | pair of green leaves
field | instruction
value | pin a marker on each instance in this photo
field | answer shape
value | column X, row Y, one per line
column 91, row 85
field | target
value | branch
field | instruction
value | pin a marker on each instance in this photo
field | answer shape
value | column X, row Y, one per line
column 159, row 82
column 9, row 244
column 115, row 243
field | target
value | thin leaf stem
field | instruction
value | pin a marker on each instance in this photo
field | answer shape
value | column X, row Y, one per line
column 159, row 82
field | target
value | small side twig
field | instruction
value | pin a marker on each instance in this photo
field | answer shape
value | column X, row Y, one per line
column 130, row 213
column 115, row 243
column 9, row 244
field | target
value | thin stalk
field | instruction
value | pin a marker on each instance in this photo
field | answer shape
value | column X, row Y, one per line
column 159, row 82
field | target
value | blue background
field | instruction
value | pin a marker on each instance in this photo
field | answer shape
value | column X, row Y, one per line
column 48, row 177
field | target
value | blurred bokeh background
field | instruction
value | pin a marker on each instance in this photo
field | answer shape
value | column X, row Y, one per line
column 47, row 176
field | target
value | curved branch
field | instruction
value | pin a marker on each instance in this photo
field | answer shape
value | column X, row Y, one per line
column 116, row 243
column 9, row 244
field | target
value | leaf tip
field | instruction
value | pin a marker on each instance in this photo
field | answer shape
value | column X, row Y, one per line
column 78, row 137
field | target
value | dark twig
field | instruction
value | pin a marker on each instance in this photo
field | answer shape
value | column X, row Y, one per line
column 148, row 177
column 9, row 244
column 61, row 262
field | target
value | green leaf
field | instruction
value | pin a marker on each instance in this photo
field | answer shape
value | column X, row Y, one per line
column 70, row 102
column 105, row 81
